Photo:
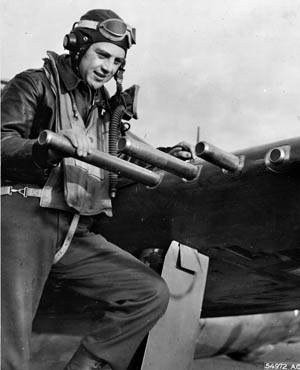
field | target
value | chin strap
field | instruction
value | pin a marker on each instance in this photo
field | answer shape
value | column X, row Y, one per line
column 119, row 76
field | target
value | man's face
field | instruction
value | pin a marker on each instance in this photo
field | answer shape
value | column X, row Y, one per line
column 100, row 62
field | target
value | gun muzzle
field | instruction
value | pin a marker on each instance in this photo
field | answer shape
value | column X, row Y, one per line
column 100, row 159
column 158, row 158
column 219, row 157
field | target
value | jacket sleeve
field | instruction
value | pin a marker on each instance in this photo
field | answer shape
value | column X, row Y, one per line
column 19, row 103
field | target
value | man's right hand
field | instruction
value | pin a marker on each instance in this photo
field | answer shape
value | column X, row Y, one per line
column 78, row 138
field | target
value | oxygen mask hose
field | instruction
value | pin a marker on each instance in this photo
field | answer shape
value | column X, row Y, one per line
column 123, row 105
column 114, row 132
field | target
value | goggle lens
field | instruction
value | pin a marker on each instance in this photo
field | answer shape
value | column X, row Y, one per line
column 115, row 27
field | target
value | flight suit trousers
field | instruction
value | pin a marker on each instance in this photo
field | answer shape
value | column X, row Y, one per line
column 135, row 296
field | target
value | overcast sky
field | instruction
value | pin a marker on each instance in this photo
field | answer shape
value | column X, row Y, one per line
column 230, row 67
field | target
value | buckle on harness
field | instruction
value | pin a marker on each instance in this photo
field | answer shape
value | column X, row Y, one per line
column 22, row 192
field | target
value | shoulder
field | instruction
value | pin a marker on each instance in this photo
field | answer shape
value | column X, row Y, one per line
column 31, row 76
column 32, row 81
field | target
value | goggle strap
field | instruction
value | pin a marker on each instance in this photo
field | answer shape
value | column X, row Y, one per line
column 93, row 25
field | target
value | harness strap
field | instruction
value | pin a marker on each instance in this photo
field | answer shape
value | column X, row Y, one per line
column 34, row 192
column 62, row 251
column 25, row 192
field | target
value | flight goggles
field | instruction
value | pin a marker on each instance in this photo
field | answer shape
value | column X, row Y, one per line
column 113, row 29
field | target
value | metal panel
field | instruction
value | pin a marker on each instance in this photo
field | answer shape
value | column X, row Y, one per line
column 171, row 343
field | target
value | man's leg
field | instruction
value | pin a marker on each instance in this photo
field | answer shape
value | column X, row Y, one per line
column 135, row 297
column 28, row 241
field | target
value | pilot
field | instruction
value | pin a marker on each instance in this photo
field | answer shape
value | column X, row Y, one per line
column 50, row 203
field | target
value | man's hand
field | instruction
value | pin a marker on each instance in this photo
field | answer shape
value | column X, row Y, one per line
column 78, row 139
column 183, row 150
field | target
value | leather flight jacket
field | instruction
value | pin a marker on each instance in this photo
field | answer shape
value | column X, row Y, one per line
column 29, row 107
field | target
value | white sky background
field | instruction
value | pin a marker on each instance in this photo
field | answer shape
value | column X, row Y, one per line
column 228, row 66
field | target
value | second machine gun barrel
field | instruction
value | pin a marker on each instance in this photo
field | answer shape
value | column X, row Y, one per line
column 100, row 159
column 158, row 158
column 217, row 156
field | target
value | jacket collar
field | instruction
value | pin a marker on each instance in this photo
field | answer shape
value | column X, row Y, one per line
column 66, row 72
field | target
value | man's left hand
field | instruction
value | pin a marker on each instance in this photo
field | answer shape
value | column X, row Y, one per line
column 183, row 150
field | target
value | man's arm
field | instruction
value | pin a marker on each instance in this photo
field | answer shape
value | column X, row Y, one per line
column 19, row 104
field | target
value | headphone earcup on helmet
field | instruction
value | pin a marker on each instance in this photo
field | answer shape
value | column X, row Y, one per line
column 76, row 40
column 71, row 42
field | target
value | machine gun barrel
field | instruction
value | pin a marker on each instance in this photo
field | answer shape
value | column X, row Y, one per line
column 217, row 156
column 100, row 159
column 158, row 158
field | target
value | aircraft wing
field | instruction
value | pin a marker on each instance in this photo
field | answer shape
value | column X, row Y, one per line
column 248, row 223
